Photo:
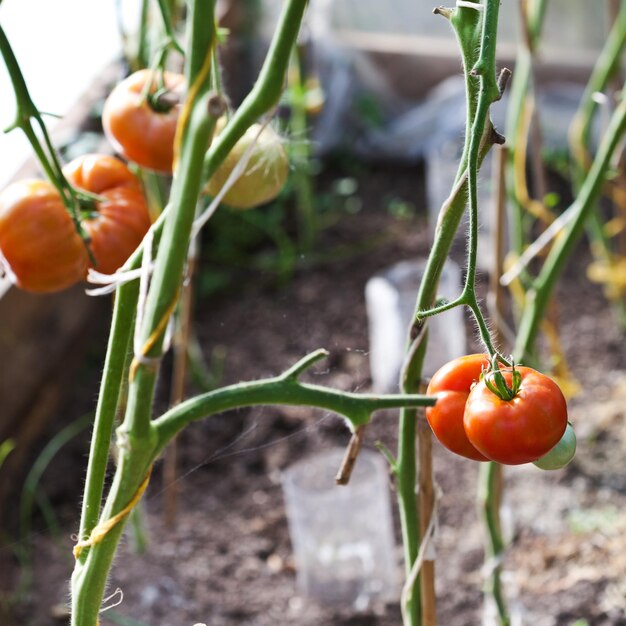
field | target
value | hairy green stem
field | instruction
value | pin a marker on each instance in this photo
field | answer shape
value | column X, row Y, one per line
column 136, row 441
column 467, row 26
column 136, row 437
column 283, row 389
column 108, row 398
column 488, row 487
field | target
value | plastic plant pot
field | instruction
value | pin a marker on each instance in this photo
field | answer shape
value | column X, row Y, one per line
column 342, row 537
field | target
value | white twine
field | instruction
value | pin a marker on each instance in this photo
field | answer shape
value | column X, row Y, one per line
column 470, row 5
column 111, row 282
column 144, row 280
column 117, row 592
column 539, row 244
column 234, row 176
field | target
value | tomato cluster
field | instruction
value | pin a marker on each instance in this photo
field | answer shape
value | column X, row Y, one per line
column 40, row 248
column 473, row 421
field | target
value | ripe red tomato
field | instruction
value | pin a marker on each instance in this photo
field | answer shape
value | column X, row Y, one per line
column 120, row 221
column 520, row 430
column 135, row 128
column 264, row 176
column 451, row 384
column 40, row 248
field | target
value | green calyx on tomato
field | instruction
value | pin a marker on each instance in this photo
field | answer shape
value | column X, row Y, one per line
column 497, row 384
column 559, row 456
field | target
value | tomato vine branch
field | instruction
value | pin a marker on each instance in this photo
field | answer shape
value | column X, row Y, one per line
column 27, row 119
column 283, row 389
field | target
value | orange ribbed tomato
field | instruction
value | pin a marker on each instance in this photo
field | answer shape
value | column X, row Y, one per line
column 451, row 385
column 41, row 250
column 120, row 220
column 137, row 130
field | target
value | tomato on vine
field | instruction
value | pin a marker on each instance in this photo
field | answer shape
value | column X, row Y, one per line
column 40, row 248
column 519, row 429
column 120, row 218
column 139, row 119
column 265, row 173
column 451, row 384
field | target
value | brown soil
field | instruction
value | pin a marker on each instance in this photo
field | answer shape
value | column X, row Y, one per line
column 228, row 560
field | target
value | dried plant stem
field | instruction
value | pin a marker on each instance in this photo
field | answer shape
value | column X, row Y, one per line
column 177, row 390
column 426, row 511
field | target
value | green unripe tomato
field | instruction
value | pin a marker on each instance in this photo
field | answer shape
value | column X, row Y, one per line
column 264, row 176
column 561, row 454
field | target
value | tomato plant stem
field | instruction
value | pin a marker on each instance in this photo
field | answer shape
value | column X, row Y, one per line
column 476, row 33
column 140, row 439
column 538, row 297
column 489, row 503
column 605, row 68
column 108, row 398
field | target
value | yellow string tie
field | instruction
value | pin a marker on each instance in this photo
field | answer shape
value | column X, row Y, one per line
column 103, row 528
column 191, row 96
column 152, row 339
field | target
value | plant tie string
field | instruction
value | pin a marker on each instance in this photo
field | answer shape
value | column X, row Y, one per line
column 234, row 176
column 103, row 528
column 141, row 350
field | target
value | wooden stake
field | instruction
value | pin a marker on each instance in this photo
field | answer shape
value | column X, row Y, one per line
column 177, row 392
column 426, row 506
column 350, row 457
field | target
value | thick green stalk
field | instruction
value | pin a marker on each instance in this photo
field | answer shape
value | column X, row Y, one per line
column 136, row 437
column 538, row 296
column 110, row 386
